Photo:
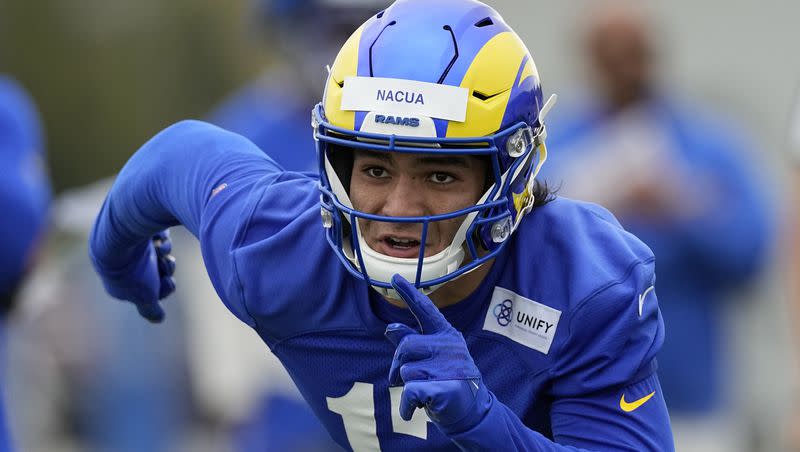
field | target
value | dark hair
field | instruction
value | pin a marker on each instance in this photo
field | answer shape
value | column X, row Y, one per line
column 542, row 193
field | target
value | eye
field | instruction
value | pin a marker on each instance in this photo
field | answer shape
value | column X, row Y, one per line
column 376, row 172
column 441, row 178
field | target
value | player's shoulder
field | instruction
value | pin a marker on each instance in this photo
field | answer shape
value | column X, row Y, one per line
column 196, row 134
column 582, row 233
column 289, row 278
column 575, row 250
column 580, row 285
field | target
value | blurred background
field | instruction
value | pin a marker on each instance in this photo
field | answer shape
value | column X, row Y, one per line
column 83, row 372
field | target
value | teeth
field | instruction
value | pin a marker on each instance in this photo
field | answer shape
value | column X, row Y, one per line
column 402, row 242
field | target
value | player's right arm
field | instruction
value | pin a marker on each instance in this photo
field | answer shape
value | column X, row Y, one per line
column 168, row 181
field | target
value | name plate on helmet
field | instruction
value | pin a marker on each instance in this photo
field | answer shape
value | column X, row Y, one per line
column 405, row 97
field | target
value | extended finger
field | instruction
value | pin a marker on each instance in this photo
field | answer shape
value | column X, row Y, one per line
column 430, row 320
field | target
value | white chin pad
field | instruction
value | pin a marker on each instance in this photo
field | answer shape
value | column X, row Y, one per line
column 381, row 267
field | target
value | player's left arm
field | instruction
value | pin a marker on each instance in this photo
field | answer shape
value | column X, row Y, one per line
column 172, row 179
column 606, row 392
column 439, row 375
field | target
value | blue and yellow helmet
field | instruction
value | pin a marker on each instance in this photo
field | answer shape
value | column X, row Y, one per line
column 443, row 77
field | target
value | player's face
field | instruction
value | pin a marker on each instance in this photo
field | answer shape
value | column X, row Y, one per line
column 410, row 185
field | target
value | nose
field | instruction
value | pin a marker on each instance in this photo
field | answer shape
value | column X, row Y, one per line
column 404, row 198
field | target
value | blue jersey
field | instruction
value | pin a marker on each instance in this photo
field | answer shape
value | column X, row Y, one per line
column 564, row 328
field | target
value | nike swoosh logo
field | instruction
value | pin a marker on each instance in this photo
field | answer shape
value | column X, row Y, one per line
column 643, row 296
column 628, row 407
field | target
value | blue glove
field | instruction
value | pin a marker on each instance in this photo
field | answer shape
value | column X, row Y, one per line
column 435, row 367
column 146, row 280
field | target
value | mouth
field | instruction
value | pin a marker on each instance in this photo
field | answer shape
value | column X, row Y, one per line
column 398, row 246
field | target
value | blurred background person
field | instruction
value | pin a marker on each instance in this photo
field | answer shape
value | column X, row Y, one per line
column 83, row 383
column 77, row 381
column 273, row 111
column 792, row 273
column 794, row 230
column 682, row 180
column 24, row 205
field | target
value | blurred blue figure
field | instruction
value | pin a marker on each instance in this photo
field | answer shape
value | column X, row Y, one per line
column 282, row 423
column 24, row 203
column 274, row 112
column 682, row 181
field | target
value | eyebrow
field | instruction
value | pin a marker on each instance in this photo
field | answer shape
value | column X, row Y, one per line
column 360, row 153
column 446, row 160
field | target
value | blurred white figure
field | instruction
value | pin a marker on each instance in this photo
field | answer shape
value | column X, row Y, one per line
column 79, row 382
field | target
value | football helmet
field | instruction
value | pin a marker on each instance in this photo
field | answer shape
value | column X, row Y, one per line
column 445, row 77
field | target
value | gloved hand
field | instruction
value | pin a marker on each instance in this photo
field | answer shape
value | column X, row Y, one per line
column 435, row 367
column 146, row 280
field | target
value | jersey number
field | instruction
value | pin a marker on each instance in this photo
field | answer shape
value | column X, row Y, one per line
column 357, row 409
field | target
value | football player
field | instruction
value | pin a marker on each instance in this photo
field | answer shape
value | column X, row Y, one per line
column 441, row 275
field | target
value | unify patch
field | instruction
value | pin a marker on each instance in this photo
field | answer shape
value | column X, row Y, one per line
column 522, row 320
